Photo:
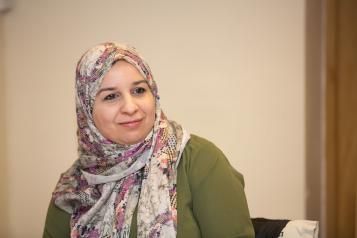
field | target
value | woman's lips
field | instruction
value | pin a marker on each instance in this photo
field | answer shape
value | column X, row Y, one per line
column 131, row 124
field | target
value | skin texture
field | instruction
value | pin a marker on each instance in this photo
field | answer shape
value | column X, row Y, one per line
column 124, row 108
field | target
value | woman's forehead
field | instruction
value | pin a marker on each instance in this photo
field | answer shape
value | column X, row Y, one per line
column 122, row 73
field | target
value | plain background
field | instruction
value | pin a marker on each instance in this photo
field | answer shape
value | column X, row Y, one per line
column 231, row 71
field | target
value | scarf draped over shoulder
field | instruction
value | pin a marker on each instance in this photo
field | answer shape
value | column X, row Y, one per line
column 109, row 181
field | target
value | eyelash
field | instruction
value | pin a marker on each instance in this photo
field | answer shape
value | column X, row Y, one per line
column 136, row 92
column 111, row 96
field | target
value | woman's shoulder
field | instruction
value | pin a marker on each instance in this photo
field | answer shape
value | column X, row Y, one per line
column 201, row 157
column 197, row 144
column 57, row 222
column 202, row 153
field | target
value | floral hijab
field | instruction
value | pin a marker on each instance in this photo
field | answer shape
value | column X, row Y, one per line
column 109, row 181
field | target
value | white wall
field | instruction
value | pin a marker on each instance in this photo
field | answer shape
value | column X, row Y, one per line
column 4, row 182
column 231, row 71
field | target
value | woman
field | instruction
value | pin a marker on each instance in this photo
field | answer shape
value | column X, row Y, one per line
column 139, row 174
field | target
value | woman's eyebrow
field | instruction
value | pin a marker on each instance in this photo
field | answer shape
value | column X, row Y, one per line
column 105, row 89
column 140, row 81
column 113, row 88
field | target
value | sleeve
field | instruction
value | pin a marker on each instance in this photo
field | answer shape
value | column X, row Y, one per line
column 57, row 223
column 219, row 202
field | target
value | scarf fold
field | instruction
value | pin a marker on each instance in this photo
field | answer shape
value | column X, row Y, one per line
column 108, row 181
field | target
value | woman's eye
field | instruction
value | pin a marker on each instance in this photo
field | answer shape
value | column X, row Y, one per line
column 110, row 96
column 139, row 90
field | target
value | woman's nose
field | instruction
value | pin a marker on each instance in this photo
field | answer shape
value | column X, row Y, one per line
column 129, row 105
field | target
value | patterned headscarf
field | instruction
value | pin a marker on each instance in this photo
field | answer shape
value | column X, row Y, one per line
column 108, row 181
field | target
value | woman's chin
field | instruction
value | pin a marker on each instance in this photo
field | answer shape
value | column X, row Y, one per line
column 130, row 140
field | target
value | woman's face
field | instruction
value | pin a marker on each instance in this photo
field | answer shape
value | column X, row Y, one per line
column 124, row 108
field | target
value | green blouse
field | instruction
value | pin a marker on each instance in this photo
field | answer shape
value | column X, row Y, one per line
column 210, row 198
